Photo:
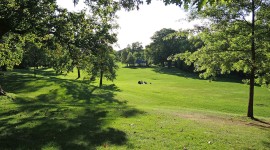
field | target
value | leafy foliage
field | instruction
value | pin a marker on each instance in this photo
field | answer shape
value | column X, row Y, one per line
column 133, row 54
column 234, row 43
column 130, row 59
column 165, row 44
column 135, row 4
column 57, row 38
column 227, row 42
column 11, row 50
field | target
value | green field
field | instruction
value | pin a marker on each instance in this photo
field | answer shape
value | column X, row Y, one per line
column 176, row 111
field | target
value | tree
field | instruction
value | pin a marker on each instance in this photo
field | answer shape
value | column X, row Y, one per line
column 34, row 54
column 57, row 29
column 189, row 41
column 136, row 53
column 162, row 47
column 130, row 59
column 11, row 50
column 104, row 60
column 18, row 18
column 124, row 55
column 22, row 16
column 234, row 43
column 136, row 47
column 80, row 28
column 104, row 65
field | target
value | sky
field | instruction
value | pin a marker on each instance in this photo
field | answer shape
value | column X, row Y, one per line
column 140, row 25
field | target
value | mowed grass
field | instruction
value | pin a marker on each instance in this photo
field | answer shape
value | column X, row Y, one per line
column 174, row 89
column 176, row 111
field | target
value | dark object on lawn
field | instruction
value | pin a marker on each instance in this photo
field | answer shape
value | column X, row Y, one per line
column 140, row 82
column 2, row 92
column 144, row 82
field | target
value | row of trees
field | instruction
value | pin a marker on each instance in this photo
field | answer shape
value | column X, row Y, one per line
column 39, row 33
column 166, row 43
column 133, row 55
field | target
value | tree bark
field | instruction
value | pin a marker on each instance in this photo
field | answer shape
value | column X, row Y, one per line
column 79, row 73
column 253, row 67
column 101, row 77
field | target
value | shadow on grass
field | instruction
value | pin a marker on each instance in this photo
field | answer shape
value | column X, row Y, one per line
column 181, row 73
column 260, row 123
column 137, row 67
column 131, row 112
column 74, row 116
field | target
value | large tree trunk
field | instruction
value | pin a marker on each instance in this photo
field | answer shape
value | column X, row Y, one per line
column 251, row 95
column 79, row 73
column 253, row 67
column 101, row 77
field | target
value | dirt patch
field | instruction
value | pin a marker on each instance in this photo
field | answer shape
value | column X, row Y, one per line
column 225, row 120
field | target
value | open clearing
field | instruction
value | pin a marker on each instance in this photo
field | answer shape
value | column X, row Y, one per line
column 176, row 111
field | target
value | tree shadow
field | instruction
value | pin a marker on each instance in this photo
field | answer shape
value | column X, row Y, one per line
column 176, row 72
column 260, row 123
column 131, row 112
column 82, row 132
column 75, row 116
column 137, row 67
column 194, row 75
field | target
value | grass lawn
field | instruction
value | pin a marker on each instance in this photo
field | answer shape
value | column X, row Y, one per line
column 176, row 111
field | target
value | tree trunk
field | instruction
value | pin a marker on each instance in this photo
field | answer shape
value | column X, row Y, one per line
column 2, row 92
column 3, row 29
column 101, row 76
column 253, row 67
column 169, row 64
column 35, row 70
column 79, row 73
column 4, row 68
column 163, row 64
column 251, row 95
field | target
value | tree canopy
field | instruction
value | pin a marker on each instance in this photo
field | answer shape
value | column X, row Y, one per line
column 166, row 43
column 42, row 34
column 233, row 42
column 135, row 4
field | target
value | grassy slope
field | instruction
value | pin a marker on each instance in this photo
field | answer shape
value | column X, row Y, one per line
column 184, row 111
column 175, row 90
column 176, row 111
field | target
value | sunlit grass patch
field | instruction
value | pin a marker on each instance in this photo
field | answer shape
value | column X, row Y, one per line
column 176, row 111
